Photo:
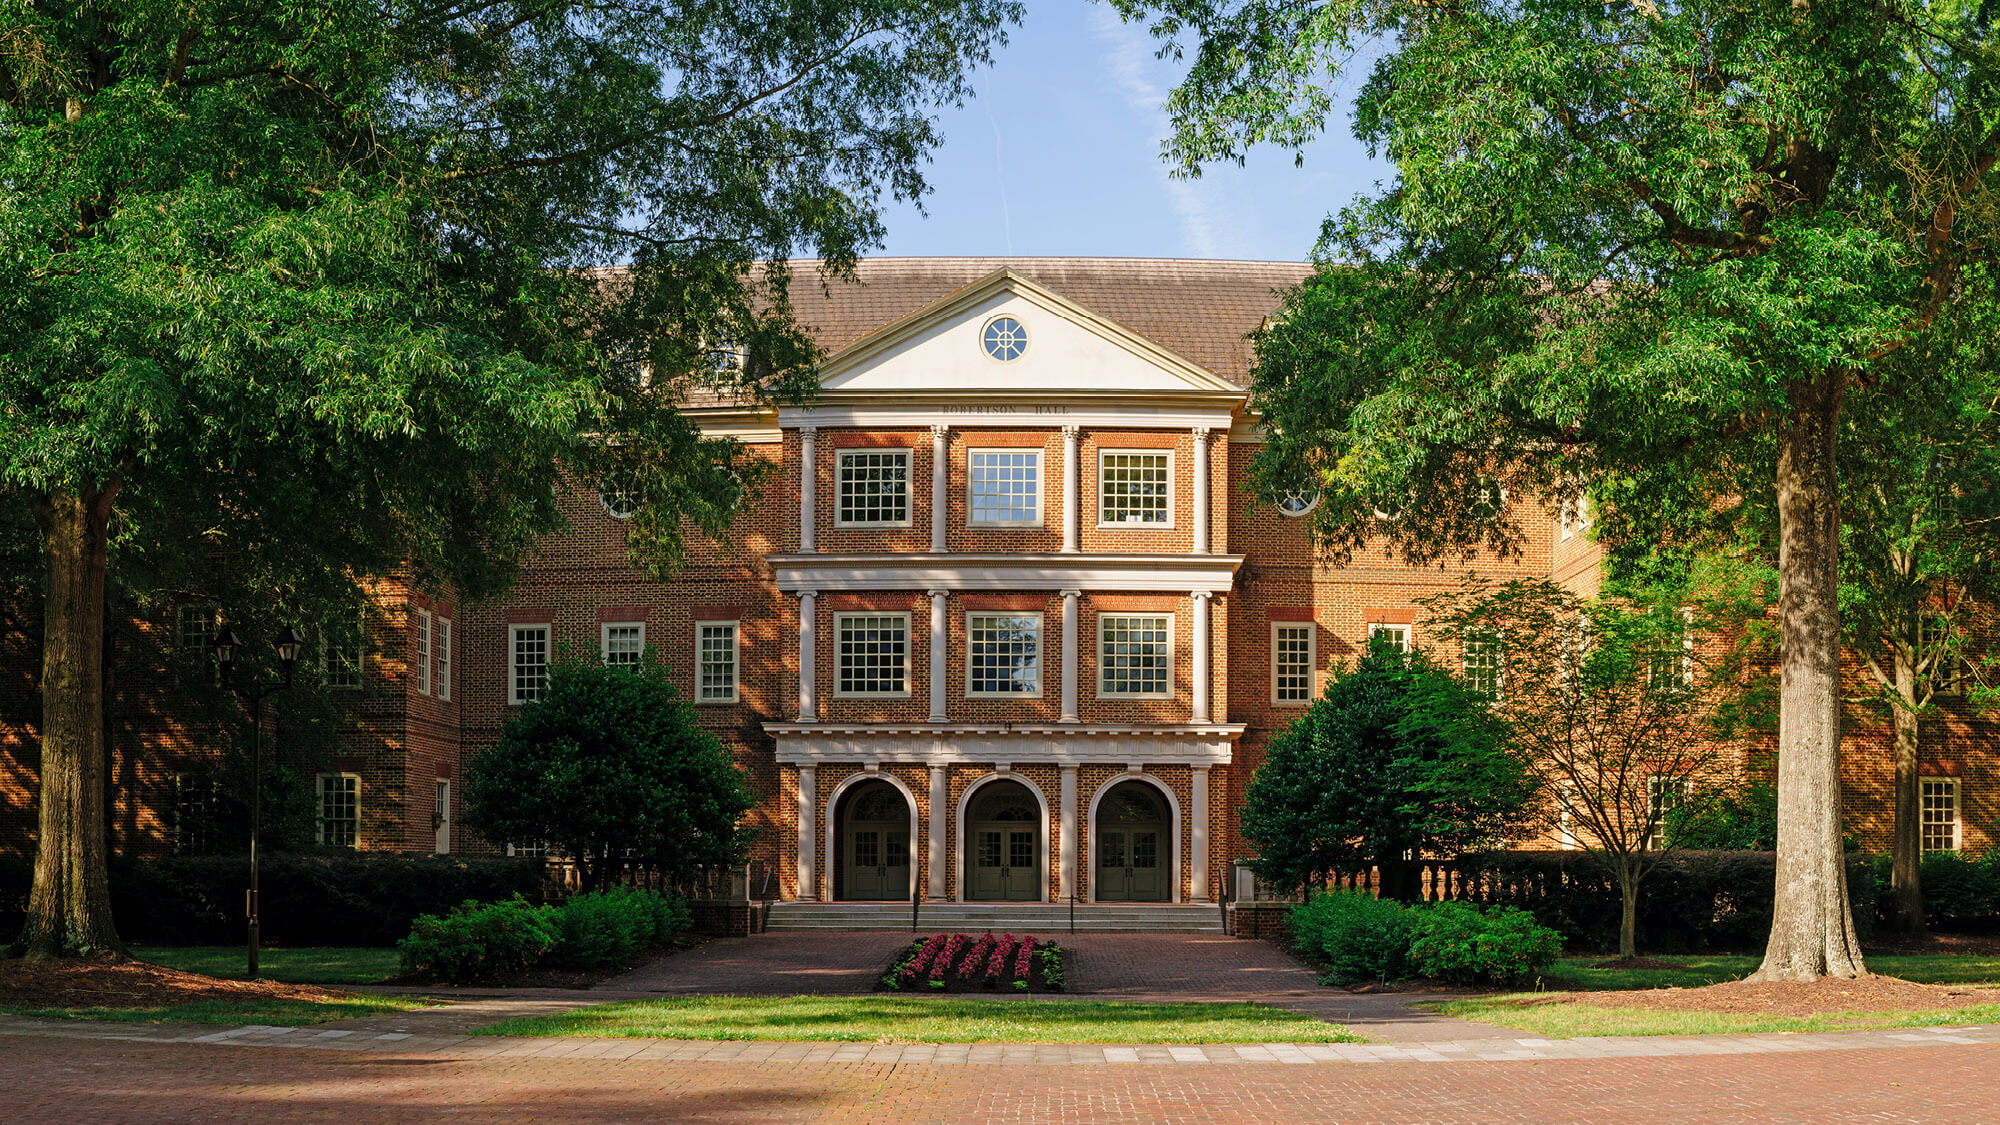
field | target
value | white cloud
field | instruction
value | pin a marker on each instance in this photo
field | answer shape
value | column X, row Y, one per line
column 1130, row 64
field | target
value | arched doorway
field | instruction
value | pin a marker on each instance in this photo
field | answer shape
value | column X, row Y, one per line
column 1133, row 845
column 1003, row 844
column 873, row 839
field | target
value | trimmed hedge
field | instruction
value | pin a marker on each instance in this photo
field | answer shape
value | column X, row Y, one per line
column 1462, row 944
column 496, row 941
column 1354, row 934
column 348, row 898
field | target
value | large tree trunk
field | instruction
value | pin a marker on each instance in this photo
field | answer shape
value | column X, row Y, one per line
column 69, row 910
column 1906, row 843
column 1812, row 928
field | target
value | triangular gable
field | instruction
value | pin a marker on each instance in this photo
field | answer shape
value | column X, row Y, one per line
column 1070, row 349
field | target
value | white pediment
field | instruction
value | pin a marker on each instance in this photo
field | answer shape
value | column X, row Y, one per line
column 1069, row 350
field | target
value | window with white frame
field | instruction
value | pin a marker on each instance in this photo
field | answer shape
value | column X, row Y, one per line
column 1294, row 652
column 622, row 643
column 527, row 662
column 1004, row 487
column 873, row 654
column 1395, row 636
column 1566, row 817
column 1003, row 654
column 422, row 659
column 196, row 798
column 715, row 642
column 1937, row 813
column 343, row 647
column 1135, row 656
column 874, row 488
column 444, row 658
column 529, row 851
column 1663, row 794
column 194, row 627
column 1479, row 660
column 1673, row 665
column 1135, row 487
column 339, row 820
column 1575, row 515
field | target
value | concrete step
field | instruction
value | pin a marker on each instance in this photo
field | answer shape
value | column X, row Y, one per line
column 981, row 916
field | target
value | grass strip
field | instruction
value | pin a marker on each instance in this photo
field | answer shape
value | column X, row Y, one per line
column 332, row 964
column 279, row 1013
column 931, row 1019
column 1573, row 1020
column 1693, row 972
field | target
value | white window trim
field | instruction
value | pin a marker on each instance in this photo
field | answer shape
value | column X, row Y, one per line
column 326, row 654
column 1173, row 490
column 839, row 624
column 1312, row 662
column 444, row 657
column 604, row 639
column 514, row 631
column 1568, row 838
column 1499, row 663
column 1041, row 653
column 1409, row 633
column 735, row 661
column 1682, row 787
column 319, row 807
column 1574, row 515
column 1041, row 487
column 1957, row 813
column 423, row 653
column 1168, row 692
column 909, row 484
column 441, row 814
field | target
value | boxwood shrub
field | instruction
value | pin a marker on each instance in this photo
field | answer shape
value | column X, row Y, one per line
column 1357, row 936
column 1462, row 944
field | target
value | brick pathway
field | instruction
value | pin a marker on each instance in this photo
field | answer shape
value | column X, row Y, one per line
column 65, row 1079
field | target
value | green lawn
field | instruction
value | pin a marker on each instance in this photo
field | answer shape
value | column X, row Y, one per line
column 1693, row 972
column 1568, row 1021
column 922, row 1019
column 332, row 964
column 280, row 1013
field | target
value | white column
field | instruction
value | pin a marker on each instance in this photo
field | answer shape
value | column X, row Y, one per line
column 1201, row 490
column 939, row 661
column 934, row 839
column 1069, row 663
column 940, row 486
column 1198, row 834
column 1066, row 883
column 1200, row 656
column 808, row 799
column 1072, row 480
column 808, row 657
column 808, row 487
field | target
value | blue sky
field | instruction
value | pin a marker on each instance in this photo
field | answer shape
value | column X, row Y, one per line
column 1059, row 154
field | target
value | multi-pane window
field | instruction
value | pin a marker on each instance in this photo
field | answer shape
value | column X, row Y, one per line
column 342, row 648
column 195, row 801
column 1662, row 794
column 444, row 658
column 529, row 851
column 1575, row 515
column 874, row 654
column 1132, row 488
column 1937, row 803
column 1480, row 662
column 716, row 641
column 1566, row 817
column 623, row 643
column 339, row 809
column 1395, row 636
column 1673, row 665
column 422, row 660
column 1292, row 661
column 528, row 662
column 1003, row 654
column 194, row 627
column 1134, row 655
column 874, row 487
column 1006, row 487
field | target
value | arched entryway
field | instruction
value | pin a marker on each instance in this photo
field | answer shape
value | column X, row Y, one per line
column 872, row 843
column 1004, row 842
column 1132, row 849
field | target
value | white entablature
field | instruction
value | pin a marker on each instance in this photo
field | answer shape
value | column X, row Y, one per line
column 1025, row 570
column 1127, row 746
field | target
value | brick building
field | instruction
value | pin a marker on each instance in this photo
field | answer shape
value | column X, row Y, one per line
column 1047, row 631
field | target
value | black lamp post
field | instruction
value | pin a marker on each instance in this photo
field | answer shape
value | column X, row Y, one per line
column 226, row 644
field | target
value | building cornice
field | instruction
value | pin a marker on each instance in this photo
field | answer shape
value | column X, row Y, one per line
column 1124, row 745
column 1040, row 570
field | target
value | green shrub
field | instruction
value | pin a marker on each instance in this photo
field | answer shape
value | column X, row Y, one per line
column 611, row 927
column 479, row 942
column 1958, row 888
column 1462, row 944
column 1354, row 934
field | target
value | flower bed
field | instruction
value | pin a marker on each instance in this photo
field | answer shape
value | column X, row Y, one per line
column 976, row 963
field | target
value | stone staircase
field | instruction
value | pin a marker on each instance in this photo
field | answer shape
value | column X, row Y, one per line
column 996, row 917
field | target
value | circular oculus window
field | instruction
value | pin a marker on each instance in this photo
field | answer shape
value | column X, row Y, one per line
column 618, row 499
column 1298, row 502
column 1004, row 339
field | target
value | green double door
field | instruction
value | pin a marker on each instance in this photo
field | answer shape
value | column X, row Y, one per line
column 1003, row 844
column 875, row 845
column 1132, row 834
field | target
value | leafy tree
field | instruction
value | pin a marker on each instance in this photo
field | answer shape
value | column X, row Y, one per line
column 1655, row 248
column 610, row 762
column 1608, row 704
column 1726, row 817
column 1367, row 777
column 327, row 275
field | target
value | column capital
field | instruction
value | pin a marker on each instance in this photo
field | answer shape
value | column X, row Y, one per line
column 809, row 429
column 1071, row 430
column 1072, row 593
column 940, row 429
column 802, row 595
column 1201, row 433
column 940, row 592
column 1201, row 595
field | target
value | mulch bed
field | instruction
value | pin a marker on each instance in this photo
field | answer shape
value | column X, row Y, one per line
column 1975, row 945
column 1827, row 996
column 132, row 984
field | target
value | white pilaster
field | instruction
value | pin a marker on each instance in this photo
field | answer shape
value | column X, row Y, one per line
column 808, row 657
column 808, row 487
column 1072, row 481
column 940, row 485
column 808, row 800
column 1200, row 655
column 1201, row 490
column 934, row 838
column 1066, row 881
column 1198, row 834
column 939, row 661
column 1069, row 661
